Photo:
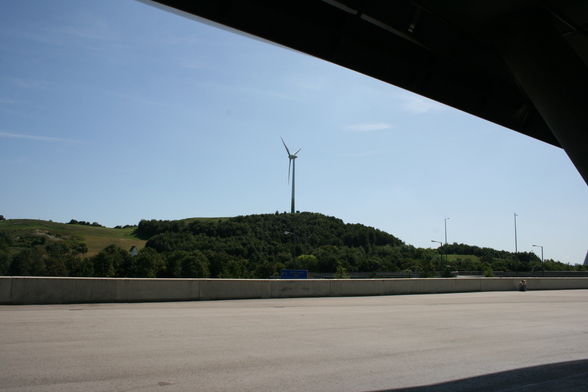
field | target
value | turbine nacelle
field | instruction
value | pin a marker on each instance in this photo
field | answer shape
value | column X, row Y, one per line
column 290, row 155
column 291, row 158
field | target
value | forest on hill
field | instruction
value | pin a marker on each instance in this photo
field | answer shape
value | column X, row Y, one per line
column 253, row 246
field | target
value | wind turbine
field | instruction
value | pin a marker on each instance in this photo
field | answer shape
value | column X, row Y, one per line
column 292, row 165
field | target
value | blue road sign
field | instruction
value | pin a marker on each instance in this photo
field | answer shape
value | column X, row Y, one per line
column 293, row 274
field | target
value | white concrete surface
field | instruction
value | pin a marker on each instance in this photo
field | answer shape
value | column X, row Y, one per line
column 301, row 344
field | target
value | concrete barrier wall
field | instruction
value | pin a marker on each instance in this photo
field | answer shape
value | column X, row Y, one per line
column 48, row 290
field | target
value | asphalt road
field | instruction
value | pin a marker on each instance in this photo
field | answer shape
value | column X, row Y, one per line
column 492, row 341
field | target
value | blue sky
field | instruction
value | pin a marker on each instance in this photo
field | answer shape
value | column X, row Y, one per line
column 114, row 111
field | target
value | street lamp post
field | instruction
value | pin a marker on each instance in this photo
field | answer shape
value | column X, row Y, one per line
column 440, row 254
column 515, row 222
column 445, row 221
column 540, row 246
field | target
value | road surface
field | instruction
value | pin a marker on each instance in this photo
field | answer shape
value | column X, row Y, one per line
column 434, row 342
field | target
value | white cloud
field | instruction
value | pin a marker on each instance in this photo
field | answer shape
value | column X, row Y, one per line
column 415, row 104
column 36, row 137
column 368, row 127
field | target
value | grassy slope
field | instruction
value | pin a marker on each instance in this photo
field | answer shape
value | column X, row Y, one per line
column 96, row 238
column 464, row 257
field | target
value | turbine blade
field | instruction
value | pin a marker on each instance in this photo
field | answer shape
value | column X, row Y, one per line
column 285, row 146
column 298, row 151
column 289, row 166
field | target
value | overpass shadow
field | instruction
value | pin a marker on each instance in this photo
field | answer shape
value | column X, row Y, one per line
column 569, row 376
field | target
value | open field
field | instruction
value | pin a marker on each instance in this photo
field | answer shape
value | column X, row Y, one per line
column 462, row 257
column 96, row 238
column 493, row 341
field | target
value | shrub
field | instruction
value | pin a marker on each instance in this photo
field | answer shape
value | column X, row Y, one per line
column 488, row 272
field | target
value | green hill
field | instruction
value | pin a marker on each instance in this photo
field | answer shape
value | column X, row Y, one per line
column 252, row 246
column 95, row 238
column 261, row 245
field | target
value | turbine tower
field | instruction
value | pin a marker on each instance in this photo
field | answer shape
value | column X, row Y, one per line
column 291, row 165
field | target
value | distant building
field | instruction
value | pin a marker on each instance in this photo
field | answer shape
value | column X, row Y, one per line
column 134, row 251
column 586, row 258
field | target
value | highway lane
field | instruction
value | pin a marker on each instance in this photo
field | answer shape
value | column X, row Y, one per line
column 326, row 344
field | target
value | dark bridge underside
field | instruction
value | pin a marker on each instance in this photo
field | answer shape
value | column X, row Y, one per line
column 518, row 63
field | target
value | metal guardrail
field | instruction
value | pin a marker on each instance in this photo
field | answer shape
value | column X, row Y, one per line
column 366, row 275
column 538, row 274
column 499, row 274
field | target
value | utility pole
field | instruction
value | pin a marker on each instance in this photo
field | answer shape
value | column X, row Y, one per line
column 515, row 223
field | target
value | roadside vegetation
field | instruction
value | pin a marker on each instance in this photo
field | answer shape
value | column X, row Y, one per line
column 254, row 246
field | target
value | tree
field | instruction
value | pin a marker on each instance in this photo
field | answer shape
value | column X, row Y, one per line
column 5, row 241
column 127, row 267
column 328, row 258
column 194, row 265
column 5, row 261
column 148, row 264
column 77, row 222
column 341, row 272
column 173, row 264
column 57, row 254
column 488, row 273
column 264, row 270
column 217, row 261
column 28, row 262
column 5, row 258
column 82, row 267
column 260, row 245
column 235, row 268
column 427, row 268
column 56, row 266
column 79, row 248
column 307, row 262
column 370, row 264
column 108, row 262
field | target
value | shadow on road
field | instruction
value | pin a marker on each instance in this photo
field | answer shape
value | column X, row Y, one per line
column 557, row 377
